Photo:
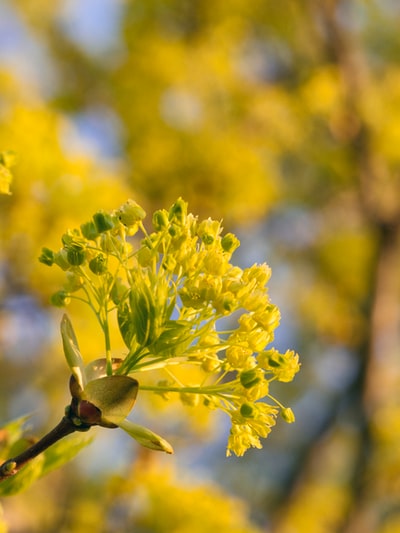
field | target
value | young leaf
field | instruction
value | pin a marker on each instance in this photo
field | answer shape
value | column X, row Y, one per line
column 71, row 351
column 113, row 395
column 146, row 437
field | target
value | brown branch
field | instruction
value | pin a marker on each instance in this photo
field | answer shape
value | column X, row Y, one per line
column 65, row 427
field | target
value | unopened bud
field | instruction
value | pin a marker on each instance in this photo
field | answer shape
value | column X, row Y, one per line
column 76, row 256
column 89, row 230
column 47, row 256
column 249, row 378
column 60, row 299
column 130, row 213
column 178, row 211
column 103, row 221
column 247, row 410
column 230, row 242
column 98, row 265
column 160, row 219
column 288, row 415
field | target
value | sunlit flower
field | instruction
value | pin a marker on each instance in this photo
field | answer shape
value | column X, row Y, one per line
column 172, row 293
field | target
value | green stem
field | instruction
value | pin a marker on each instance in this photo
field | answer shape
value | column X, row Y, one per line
column 219, row 390
column 106, row 330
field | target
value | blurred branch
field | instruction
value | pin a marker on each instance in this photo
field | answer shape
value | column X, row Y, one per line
column 12, row 466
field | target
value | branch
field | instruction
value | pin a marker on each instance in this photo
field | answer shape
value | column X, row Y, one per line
column 65, row 427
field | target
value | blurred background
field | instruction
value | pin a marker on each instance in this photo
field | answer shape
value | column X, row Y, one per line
column 282, row 119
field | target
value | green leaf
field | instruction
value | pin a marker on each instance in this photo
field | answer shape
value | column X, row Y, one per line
column 63, row 451
column 113, row 395
column 71, row 351
column 125, row 324
column 146, row 437
column 174, row 338
column 12, row 434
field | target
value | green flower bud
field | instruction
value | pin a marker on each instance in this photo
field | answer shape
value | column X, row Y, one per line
column 247, row 410
column 249, row 378
column 98, row 265
column 47, row 256
column 72, row 238
column 89, row 230
column 76, row 256
column 119, row 291
column 103, row 221
column 208, row 230
column 60, row 299
column 288, row 415
column 160, row 219
column 130, row 213
column 230, row 242
column 60, row 259
column 178, row 211
column 174, row 230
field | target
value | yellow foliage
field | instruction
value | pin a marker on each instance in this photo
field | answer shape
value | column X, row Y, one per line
column 162, row 504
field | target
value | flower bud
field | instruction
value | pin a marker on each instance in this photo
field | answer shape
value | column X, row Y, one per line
column 130, row 213
column 60, row 259
column 178, row 211
column 76, row 256
column 230, row 242
column 98, row 265
column 160, row 219
column 60, row 299
column 47, row 256
column 288, row 415
column 249, row 378
column 208, row 230
column 247, row 410
column 89, row 230
column 103, row 221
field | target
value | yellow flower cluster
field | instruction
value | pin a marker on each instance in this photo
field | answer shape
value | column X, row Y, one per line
column 173, row 294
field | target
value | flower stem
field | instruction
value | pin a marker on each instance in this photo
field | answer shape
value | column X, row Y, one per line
column 13, row 465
